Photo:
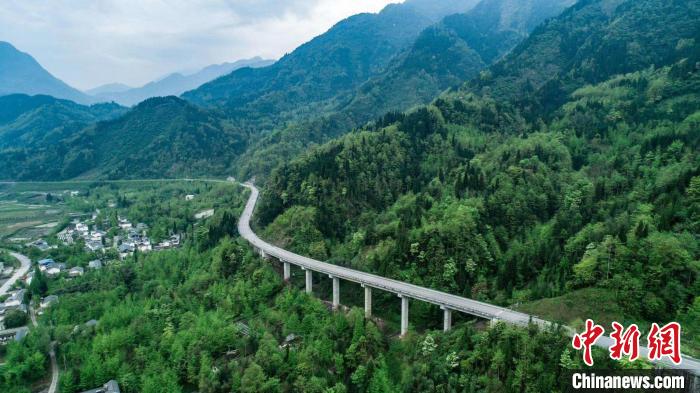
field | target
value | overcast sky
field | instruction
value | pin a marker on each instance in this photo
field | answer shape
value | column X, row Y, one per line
column 87, row 43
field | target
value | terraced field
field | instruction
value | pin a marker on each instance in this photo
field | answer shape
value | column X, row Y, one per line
column 23, row 220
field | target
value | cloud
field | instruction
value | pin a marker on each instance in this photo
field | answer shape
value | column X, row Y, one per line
column 88, row 42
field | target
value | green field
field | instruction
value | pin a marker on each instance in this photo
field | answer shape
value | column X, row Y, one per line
column 32, row 210
column 25, row 219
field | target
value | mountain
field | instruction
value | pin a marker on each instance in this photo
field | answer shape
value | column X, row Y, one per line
column 436, row 10
column 108, row 89
column 444, row 55
column 589, row 43
column 467, row 195
column 160, row 137
column 20, row 73
column 160, row 143
column 308, row 80
column 173, row 84
column 570, row 167
column 44, row 120
column 451, row 52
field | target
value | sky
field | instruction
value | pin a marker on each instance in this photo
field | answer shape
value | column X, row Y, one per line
column 87, row 43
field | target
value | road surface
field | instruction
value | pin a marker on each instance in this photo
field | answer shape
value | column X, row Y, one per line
column 24, row 268
column 54, row 368
column 442, row 299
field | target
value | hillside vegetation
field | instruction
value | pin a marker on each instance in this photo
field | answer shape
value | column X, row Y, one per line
column 467, row 196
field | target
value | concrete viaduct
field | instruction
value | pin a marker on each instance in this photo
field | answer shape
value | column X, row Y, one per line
column 447, row 302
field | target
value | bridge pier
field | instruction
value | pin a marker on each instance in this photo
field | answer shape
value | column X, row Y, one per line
column 447, row 319
column 286, row 271
column 404, row 315
column 309, row 281
column 336, row 292
column 368, row 302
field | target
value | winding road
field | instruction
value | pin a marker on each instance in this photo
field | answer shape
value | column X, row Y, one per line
column 404, row 289
column 54, row 368
column 25, row 263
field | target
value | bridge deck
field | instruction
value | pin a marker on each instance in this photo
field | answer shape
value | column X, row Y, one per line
column 453, row 302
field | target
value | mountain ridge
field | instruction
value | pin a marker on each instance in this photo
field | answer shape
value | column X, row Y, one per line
column 349, row 53
column 176, row 83
column 20, row 73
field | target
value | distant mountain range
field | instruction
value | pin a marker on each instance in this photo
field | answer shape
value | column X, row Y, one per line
column 20, row 73
column 450, row 52
column 109, row 88
column 528, row 54
column 37, row 121
column 444, row 55
column 173, row 84
column 312, row 78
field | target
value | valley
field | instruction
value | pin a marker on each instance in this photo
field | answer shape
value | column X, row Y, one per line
column 454, row 196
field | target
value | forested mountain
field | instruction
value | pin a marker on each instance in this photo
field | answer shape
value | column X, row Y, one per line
column 329, row 66
column 35, row 121
column 444, row 55
column 589, row 43
column 492, row 195
column 468, row 196
column 449, row 53
column 561, row 55
column 21, row 74
column 174, row 84
column 161, row 137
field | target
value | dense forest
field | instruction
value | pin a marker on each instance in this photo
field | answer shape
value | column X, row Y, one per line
column 558, row 175
column 254, row 119
column 467, row 196
column 217, row 321
column 213, row 317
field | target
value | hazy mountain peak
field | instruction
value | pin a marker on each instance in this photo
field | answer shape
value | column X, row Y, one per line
column 175, row 83
column 108, row 88
column 436, row 10
column 20, row 73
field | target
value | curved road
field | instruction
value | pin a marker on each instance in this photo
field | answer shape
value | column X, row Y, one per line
column 26, row 263
column 54, row 368
column 442, row 299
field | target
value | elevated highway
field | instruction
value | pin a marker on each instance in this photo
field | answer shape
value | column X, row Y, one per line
column 405, row 291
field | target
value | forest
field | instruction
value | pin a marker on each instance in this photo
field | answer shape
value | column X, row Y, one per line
column 214, row 317
column 562, row 180
column 467, row 196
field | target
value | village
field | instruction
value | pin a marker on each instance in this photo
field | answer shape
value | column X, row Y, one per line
column 103, row 240
column 107, row 243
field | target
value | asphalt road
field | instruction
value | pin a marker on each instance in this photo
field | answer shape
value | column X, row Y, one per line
column 23, row 269
column 54, row 368
column 443, row 299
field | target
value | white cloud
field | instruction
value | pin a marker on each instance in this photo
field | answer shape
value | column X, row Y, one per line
column 91, row 42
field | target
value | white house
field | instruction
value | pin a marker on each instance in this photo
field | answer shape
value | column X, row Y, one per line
column 76, row 271
column 96, row 264
column 66, row 236
column 82, row 228
column 94, row 246
column 53, row 271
